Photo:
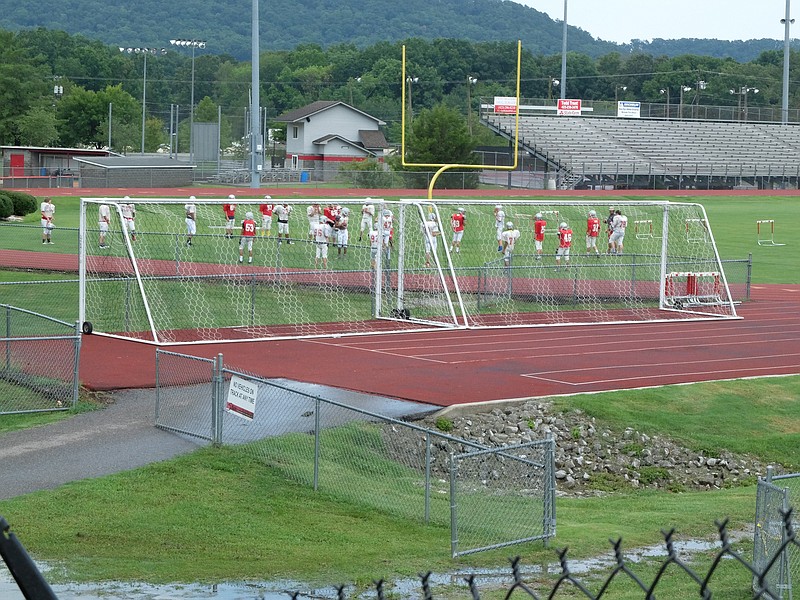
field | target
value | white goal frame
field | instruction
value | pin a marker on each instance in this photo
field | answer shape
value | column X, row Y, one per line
column 473, row 289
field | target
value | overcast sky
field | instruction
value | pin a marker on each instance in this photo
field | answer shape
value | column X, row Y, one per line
column 624, row 20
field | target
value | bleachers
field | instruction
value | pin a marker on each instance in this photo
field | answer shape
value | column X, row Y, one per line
column 677, row 148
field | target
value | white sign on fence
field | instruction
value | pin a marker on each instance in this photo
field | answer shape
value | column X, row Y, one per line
column 241, row 400
column 631, row 110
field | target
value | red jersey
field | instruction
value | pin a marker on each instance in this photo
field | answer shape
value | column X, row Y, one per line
column 248, row 228
column 266, row 209
column 230, row 210
column 538, row 230
column 592, row 226
column 564, row 238
column 330, row 214
column 457, row 221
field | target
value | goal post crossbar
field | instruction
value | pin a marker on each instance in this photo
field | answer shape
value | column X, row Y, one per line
column 403, row 269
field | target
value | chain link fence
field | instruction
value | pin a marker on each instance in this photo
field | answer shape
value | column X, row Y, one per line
column 772, row 555
column 488, row 497
column 39, row 362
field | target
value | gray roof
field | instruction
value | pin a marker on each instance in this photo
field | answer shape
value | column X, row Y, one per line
column 134, row 162
column 314, row 108
column 333, row 136
column 372, row 139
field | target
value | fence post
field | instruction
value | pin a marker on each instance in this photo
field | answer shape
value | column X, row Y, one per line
column 217, row 402
column 177, row 255
column 427, row 477
column 316, row 443
column 158, row 384
column 550, row 525
column 749, row 274
column 8, row 338
column 453, row 505
column 76, row 361
column 252, row 300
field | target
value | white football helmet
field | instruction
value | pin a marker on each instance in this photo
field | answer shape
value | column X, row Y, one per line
column 509, row 225
column 248, row 215
column 592, row 213
column 562, row 226
column 192, row 198
column 538, row 215
column 231, row 197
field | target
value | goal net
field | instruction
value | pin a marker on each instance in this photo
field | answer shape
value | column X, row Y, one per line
column 383, row 266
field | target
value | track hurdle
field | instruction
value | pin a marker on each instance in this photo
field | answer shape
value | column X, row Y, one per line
column 643, row 229
column 700, row 288
column 765, row 231
column 696, row 231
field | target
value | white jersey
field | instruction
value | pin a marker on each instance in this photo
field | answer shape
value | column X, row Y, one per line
column 283, row 212
column 619, row 223
column 128, row 211
column 319, row 233
column 191, row 210
column 105, row 213
column 368, row 210
column 500, row 218
column 387, row 224
column 374, row 239
column 47, row 208
column 509, row 237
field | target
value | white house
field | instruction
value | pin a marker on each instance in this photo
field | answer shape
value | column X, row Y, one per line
column 324, row 134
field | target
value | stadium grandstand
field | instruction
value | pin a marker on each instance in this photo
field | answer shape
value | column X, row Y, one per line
column 606, row 152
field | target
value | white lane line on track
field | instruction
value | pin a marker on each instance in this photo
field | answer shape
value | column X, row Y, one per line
column 682, row 373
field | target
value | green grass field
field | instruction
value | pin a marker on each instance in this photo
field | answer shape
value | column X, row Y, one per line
column 732, row 220
column 220, row 515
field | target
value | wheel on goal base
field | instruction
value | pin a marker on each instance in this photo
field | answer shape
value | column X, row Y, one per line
column 87, row 327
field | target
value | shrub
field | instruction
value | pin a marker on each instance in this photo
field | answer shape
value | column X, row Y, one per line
column 443, row 424
column 6, row 207
column 22, row 203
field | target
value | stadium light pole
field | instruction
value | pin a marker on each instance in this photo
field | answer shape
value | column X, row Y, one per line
column 564, row 55
column 684, row 88
column 470, row 82
column 787, row 21
column 193, row 44
column 409, row 81
column 255, row 113
column 144, row 52
column 665, row 91
column 551, row 83
column 742, row 93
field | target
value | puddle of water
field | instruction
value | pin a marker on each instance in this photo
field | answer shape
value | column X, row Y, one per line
column 404, row 588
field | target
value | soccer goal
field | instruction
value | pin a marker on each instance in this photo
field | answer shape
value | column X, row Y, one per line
column 388, row 266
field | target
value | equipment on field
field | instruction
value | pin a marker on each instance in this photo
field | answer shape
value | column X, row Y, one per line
column 643, row 229
column 765, row 231
column 162, row 290
column 696, row 231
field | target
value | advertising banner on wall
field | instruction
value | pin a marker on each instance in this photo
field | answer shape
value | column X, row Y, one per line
column 628, row 109
column 569, row 107
column 505, row 105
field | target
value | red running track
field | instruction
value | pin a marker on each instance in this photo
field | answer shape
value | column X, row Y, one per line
column 456, row 367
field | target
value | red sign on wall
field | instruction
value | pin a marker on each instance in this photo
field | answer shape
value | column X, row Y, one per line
column 569, row 107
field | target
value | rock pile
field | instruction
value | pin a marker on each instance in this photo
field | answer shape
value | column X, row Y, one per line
column 592, row 459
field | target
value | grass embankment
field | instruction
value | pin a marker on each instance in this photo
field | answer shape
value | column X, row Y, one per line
column 221, row 515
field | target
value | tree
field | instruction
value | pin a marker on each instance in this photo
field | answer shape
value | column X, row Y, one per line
column 38, row 127
column 23, row 83
column 439, row 136
column 83, row 118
